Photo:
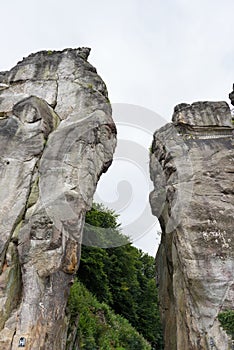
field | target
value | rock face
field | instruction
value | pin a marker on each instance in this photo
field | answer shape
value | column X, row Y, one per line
column 57, row 137
column 192, row 168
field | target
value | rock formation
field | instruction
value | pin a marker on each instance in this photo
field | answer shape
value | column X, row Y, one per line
column 192, row 168
column 57, row 137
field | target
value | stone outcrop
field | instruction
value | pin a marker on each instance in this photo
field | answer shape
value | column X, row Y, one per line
column 192, row 168
column 57, row 137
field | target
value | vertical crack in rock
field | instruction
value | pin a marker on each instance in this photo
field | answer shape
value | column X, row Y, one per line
column 192, row 168
column 57, row 137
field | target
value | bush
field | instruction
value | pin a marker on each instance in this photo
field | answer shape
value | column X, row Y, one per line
column 99, row 327
column 226, row 318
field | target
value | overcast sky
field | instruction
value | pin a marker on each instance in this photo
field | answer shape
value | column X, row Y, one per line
column 152, row 53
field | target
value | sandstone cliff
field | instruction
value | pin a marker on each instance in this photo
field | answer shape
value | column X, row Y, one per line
column 192, row 168
column 57, row 137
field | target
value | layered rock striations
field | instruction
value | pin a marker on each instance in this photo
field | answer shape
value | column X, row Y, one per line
column 57, row 137
column 192, row 168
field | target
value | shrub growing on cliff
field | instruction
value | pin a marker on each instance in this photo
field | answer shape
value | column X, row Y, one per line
column 226, row 318
column 98, row 326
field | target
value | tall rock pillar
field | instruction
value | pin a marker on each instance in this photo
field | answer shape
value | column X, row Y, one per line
column 56, row 137
column 192, row 168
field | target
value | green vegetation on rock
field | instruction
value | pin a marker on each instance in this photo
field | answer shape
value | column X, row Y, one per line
column 121, row 277
column 226, row 318
column 98, row 326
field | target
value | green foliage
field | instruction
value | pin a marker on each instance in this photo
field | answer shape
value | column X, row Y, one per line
column 226, row 318
column 92, row 272
column 49, row 52
column 123, row 277
column 99, row 327
column 101, row 228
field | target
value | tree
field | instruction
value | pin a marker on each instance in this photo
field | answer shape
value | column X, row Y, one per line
column 123, row 276
column 93, row 325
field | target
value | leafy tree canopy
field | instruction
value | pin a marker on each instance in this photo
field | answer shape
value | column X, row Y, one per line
column 98, row 326
column 122, row 276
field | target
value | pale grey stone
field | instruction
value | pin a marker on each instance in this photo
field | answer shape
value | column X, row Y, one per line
column 195, row 260
column 57, row 137
column 203, row 114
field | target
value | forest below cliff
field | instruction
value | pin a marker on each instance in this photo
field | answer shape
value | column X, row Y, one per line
column 113, row 303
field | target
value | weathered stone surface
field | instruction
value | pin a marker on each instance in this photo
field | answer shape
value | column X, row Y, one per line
column 57, row 137
column 203, row 114
column 192, row 167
